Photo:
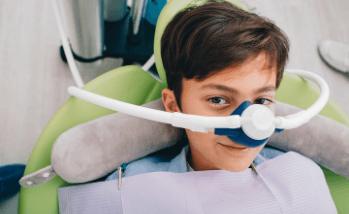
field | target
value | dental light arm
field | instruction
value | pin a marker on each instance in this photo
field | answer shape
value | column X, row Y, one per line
column 258, row 115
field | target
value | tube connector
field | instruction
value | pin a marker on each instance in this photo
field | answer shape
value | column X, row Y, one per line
column 287, row 123
column 278, row 121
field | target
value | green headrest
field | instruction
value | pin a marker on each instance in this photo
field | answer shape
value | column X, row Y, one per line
column 167, row 14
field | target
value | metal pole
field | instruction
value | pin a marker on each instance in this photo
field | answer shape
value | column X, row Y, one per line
column 85, row 26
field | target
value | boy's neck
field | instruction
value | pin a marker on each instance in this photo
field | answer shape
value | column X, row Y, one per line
column 190, row 161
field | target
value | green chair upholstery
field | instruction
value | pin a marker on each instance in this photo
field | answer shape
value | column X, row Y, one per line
column 128, row 84
column 133, row 85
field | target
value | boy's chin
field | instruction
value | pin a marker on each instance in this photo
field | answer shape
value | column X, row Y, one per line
column 236, row 168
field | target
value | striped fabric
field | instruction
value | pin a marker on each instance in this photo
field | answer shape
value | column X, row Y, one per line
column 288, row 183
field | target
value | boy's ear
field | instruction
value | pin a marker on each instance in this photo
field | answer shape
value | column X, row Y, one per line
column 169, row 100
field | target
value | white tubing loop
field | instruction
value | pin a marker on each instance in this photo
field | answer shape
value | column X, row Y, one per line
column 289, row 122
column 122, row 107
column 148, row 65
column 205, row 123
column 192, row 122
column 66, row 47
column 302, row 117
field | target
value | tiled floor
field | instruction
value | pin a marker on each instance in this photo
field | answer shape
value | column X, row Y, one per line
column 34, row 80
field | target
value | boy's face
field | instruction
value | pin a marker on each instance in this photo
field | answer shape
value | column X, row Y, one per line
column 207, row 149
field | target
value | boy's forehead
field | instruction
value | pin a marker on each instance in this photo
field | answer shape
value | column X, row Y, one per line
column 252, row 84
column 254, row 77
column 233, row 90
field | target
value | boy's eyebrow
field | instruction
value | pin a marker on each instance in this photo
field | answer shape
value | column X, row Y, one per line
column 234, row 91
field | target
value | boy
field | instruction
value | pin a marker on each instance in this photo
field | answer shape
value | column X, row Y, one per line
column 216, row 56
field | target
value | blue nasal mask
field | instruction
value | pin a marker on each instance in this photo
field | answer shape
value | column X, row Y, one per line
column 238, row 135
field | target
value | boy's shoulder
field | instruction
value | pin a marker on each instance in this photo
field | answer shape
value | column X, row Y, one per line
column 174, row 159
column 270, row 152
column 153, row 163
column 267, row 153
column 168, row 159
column 162, row 161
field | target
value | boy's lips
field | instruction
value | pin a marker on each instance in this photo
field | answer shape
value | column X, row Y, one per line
column 236, row 147
column 236, row 150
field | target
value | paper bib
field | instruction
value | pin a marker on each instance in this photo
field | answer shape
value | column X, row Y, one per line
column 289, row 183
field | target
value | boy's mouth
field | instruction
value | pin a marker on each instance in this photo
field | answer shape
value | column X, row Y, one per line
column 235, row 147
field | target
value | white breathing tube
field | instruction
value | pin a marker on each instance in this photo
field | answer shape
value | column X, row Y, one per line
column 195, row 122
column 67, row 51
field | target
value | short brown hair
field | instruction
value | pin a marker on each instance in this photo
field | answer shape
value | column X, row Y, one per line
column 202, row 41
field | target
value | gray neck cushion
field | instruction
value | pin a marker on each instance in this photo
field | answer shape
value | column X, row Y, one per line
column 96, row 148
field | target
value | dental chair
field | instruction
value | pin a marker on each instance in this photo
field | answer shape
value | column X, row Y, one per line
column 133, row 85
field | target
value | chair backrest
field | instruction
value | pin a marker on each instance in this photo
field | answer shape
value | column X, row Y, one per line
column 167, row 14
column 131, row 84
column 128, row 84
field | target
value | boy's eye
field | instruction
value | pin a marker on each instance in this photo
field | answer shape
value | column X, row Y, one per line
column 216, row 101
column 266, row 100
